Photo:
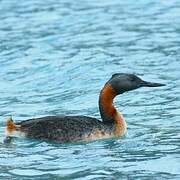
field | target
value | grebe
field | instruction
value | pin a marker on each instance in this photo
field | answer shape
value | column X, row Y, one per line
column 63, row 129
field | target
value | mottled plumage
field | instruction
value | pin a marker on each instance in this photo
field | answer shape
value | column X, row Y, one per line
column 63, row 128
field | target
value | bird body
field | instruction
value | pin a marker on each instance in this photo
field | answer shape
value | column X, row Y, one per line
column 64, row 129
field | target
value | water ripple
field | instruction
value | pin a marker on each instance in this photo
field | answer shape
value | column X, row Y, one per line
column 56, row 56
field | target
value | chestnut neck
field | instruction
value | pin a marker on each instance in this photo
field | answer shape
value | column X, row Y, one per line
column 106, row 106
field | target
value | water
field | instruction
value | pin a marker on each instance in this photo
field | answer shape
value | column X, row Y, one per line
column 56, row 56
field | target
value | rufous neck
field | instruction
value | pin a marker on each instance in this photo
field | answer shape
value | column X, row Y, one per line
column 106, row 106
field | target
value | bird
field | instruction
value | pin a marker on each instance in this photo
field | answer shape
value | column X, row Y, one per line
column 71, row 129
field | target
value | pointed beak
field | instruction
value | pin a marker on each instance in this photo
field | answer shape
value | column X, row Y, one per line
column 151, row 84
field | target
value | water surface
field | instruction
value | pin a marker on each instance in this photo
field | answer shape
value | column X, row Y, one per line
column 56, row 56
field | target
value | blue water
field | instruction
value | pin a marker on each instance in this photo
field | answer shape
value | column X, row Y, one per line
column 55, row 56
